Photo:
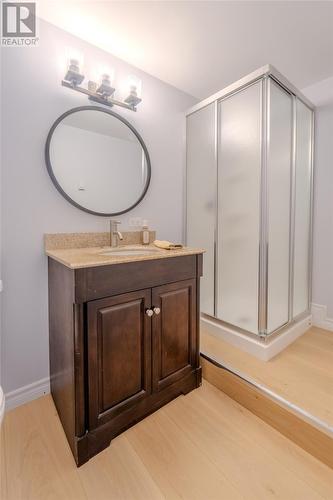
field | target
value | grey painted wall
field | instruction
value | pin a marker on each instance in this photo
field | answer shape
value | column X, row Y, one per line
column 31, row 206
column 322, row 291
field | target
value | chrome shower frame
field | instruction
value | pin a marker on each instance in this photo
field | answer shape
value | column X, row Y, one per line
column 263, row 75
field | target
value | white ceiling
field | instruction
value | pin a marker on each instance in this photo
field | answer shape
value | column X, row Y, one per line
column 202, row 46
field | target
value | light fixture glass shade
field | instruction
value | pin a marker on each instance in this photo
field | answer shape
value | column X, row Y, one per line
column 73, row 64
column 107, row 72
column 134, row 89
column 73, row 74
column 134, row 85
column 105, row 88
column 73, row 53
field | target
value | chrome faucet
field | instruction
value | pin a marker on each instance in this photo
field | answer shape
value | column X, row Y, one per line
column 115, row 235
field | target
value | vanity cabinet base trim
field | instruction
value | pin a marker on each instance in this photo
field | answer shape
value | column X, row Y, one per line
column 98, row 439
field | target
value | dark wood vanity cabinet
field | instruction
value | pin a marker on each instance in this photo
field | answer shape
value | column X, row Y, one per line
column 123, row 342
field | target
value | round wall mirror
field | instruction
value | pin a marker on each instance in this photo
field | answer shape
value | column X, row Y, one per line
column 97, row 161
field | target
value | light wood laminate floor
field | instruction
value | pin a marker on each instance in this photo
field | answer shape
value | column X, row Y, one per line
column 200, row 446
column 302, row 373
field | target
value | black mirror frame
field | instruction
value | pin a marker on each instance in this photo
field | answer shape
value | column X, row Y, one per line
column 54, row 179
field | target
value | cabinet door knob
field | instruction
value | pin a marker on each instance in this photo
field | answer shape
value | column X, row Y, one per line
column 149, row 312
column 157, row 310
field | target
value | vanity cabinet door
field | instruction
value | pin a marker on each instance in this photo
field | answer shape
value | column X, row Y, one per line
column 174, row 332
column 119, row 354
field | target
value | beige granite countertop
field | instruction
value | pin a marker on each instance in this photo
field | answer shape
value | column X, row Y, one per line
column 76, row 258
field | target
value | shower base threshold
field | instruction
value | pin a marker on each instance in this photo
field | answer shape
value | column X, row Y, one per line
column 264, row 349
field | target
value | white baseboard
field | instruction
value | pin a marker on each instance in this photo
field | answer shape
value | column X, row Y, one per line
column 264, row 350
column 27, row 393
column 319, row 317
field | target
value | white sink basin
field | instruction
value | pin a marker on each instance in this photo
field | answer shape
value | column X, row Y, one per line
column 130, row 251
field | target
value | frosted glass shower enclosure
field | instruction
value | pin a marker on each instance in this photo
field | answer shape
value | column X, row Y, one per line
column 249, row 201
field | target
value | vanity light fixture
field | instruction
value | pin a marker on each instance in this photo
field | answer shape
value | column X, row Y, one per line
column 102, row 93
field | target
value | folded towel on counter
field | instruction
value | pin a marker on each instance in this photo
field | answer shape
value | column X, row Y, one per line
column 167, row 245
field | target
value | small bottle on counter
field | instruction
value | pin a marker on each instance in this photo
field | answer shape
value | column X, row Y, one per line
column 145, row 233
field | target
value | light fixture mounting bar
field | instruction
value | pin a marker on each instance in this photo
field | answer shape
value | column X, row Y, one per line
column 107, row 101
